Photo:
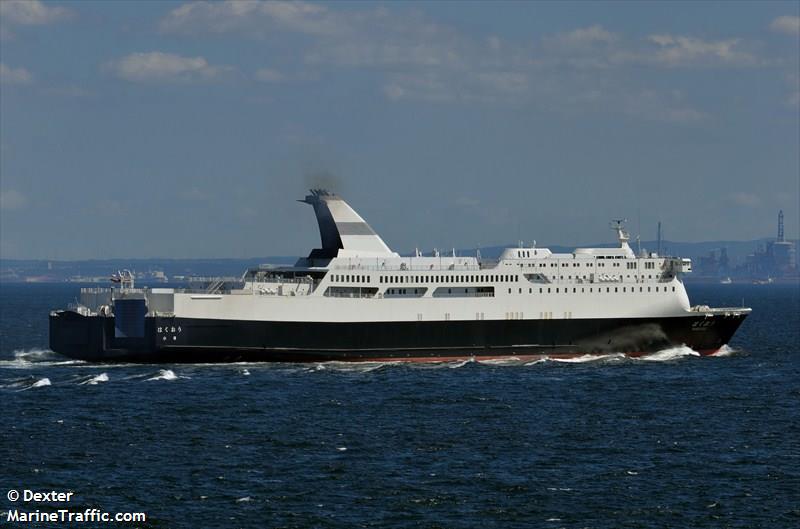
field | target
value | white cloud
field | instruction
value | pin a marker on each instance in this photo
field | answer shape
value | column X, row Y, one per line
column 414, row 58
column 11, row 199
column 427, row 86
column 10, row 75
column 793, row 99
column 394, row 91
column 365, row 38
column 165, row 67
column 742, row 199
column 581, row 37
column 682, row 50
column 31, row 12
column 787, row 24
column 505, row 82
column 494, row 42
column 251, row 16
column 453, row 87
column 269, row 75
column 652, row 105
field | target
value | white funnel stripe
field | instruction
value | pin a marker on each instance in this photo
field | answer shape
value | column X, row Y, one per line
column 341, row 210
column 341, row 228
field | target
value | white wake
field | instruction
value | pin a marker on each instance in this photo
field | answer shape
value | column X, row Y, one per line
column 667, row 355
column 166, row 374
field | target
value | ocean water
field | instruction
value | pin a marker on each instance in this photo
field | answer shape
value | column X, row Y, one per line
column 668, row 440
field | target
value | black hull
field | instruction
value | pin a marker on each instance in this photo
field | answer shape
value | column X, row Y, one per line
column 182, row 340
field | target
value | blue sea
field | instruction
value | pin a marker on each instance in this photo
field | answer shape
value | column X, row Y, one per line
column 668, row 440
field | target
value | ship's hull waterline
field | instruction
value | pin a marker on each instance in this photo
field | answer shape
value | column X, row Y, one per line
column 187, row 340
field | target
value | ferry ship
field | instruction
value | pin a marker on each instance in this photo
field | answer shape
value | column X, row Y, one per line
column 354, row 299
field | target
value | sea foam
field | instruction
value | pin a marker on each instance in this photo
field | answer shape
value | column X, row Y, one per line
column 673, row 353
column 726, row 350
column 102, row 377
column 27, row 358
column 166, row 374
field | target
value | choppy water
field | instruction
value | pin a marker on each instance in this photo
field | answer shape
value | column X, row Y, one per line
column 667, row 440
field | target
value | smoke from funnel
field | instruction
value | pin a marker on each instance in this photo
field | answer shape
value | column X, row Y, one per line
column 323, row 179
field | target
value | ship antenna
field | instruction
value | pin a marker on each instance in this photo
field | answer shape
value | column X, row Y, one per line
column 658, row 244
column 639, row 230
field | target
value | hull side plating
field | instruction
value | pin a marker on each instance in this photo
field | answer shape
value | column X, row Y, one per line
column 199, row 340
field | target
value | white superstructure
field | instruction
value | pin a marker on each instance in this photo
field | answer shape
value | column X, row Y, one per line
column 355, row 276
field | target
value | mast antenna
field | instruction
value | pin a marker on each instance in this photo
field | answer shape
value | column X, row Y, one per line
column 658, row 244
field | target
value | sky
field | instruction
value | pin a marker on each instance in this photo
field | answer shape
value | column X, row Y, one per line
column 173, row 129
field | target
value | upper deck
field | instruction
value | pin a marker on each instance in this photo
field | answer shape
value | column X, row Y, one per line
column 355, row 262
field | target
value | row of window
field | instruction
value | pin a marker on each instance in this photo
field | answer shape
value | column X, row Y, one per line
column 494, row 278
column 404, row 291
column 585, row 277
column 591, row 290
column 630, row 266
column 550, row 290
column 347, row 278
